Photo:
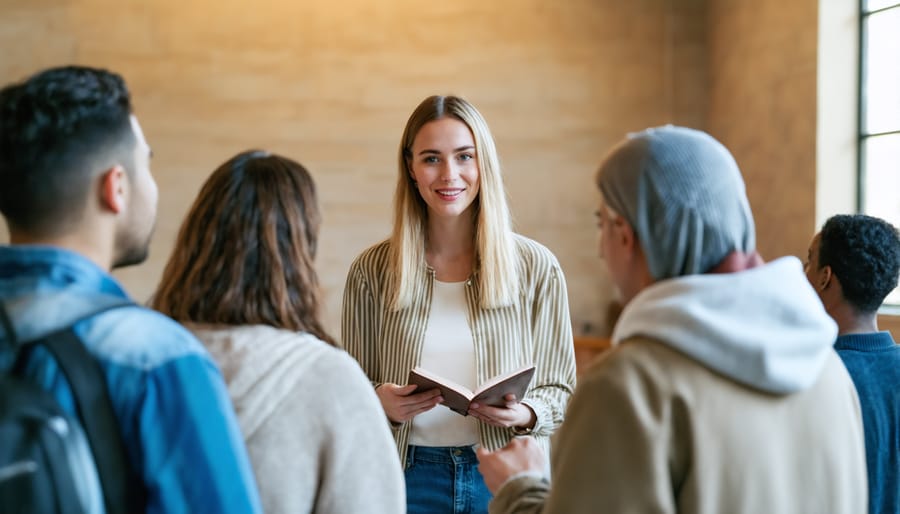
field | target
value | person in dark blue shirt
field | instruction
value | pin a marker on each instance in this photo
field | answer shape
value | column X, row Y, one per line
column 853, row 264
column 78, row 198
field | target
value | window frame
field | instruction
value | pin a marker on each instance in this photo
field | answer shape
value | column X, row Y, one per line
column 862, row 135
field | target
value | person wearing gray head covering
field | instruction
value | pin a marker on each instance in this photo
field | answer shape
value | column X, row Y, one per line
column 722, row 393
column 682, row 193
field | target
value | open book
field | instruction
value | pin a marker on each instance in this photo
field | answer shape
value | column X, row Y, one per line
column 458, row 397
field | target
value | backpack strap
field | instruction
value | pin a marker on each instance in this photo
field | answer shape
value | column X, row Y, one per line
column 122, row 490
column 7, row 324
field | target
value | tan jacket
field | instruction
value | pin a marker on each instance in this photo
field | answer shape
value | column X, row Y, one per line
column 650, row 430
column 315, row 431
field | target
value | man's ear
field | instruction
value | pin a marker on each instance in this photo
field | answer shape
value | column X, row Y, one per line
column 825, row 278
column 625, row 234
column 113, row 189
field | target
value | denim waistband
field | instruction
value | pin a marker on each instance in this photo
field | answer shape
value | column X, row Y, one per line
column 442, row 454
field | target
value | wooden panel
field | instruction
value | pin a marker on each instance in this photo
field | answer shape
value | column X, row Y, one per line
column 587, row 348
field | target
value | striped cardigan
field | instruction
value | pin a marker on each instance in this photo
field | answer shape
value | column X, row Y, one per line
column 535, row 329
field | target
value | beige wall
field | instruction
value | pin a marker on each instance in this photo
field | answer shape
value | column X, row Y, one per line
column 330, row 83
column 783, row 100
column 762, row 106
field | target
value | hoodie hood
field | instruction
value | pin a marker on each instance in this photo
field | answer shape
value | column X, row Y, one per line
column 764, row 327
column 261, row 366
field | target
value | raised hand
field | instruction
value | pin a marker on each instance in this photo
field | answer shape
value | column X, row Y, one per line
column 522, row 454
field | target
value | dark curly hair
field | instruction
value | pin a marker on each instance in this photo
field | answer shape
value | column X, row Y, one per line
column 864, row 255
column 59, row 128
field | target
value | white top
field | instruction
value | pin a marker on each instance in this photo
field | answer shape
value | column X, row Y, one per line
column 448, row 351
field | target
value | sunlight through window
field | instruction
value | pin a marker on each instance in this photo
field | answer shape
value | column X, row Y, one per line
column 879, row 142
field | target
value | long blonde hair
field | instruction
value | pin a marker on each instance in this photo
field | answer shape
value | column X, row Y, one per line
column 495, row 253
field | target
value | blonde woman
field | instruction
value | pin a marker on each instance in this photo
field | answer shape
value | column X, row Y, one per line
column 456, row 291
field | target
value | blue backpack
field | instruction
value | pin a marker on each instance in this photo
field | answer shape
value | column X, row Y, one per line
column 51, row 462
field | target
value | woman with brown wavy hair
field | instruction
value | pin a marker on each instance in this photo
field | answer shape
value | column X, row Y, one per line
column 241, row 278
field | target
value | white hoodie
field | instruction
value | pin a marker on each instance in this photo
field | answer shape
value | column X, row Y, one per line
column 763, row 327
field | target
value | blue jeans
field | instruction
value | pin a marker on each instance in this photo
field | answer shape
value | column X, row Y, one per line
column 444, row 480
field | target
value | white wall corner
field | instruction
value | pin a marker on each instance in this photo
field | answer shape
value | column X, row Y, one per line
column 837, row 106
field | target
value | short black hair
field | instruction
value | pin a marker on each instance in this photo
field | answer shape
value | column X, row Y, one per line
column 864, row 255
column 56, row 128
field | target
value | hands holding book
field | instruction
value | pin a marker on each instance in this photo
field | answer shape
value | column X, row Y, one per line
column 496, row 402
column 402, row 404
column 513, row 414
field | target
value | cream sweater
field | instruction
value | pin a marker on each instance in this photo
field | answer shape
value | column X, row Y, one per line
column 315, row 431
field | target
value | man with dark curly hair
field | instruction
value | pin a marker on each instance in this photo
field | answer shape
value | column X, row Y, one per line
column 853, row 264
column 79, row 199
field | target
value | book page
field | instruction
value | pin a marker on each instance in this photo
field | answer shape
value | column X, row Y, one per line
column 515, row 382
column 457, row 397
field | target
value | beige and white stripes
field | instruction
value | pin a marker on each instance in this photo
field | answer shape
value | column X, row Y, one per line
column 535, row 329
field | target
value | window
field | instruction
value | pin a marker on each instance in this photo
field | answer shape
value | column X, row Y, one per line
column 879, row 114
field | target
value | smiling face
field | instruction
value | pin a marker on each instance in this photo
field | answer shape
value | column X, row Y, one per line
column 444, row 166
